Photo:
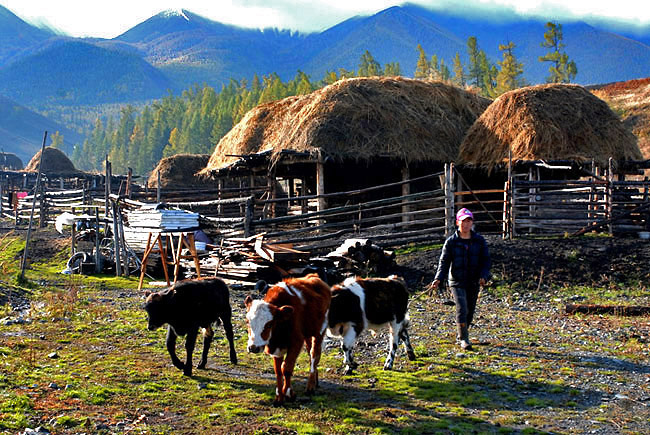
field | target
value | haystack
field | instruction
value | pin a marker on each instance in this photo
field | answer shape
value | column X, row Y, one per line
column 548, row 122
column 10, row 161
column 359, row 119
column 180, row 171
column 54, row 161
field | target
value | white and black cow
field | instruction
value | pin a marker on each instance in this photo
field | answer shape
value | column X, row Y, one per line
column 370, row 303
column 187, row 306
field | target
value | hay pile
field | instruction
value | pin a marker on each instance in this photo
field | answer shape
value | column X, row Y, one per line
column 54, row 161
column 10, row 162
column 359, row 118
column 180, row 171
column 548, row 122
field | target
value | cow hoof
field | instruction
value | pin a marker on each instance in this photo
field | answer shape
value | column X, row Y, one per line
column 388, row 367
column 187, row 373
column 411, row 356
column 201, row 365
column 277, row 403
column 348, row 371
column 233, row 359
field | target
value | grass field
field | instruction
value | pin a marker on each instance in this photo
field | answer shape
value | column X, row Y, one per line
column 81, row 360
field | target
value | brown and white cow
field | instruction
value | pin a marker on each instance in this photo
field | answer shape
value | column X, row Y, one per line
column 292, row 312
column 370, row 303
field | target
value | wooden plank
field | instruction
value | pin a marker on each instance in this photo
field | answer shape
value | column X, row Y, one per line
column 617, row 310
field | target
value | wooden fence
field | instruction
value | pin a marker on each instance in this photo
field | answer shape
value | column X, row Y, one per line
column 415, row 210
column 577, row 206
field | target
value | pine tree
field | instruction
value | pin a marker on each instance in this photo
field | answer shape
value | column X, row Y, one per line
column 475, row 73
column 459, row 71
column 423, row 67
column 434, row 71
column 330, row 77
column 368, row 66
column 392, row 69
column 489, row 72
column 510, row 75
column 562, row 70
column 57, row 140
column 444, row 71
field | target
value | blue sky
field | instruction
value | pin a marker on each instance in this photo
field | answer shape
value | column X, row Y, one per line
column 108, row 19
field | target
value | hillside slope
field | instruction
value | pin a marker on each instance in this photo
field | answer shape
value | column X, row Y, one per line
column 632, row 100
column 17, row 35
column 71, row 71
column 21, row 130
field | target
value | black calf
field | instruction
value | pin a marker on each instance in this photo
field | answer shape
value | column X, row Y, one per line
column 187, row 306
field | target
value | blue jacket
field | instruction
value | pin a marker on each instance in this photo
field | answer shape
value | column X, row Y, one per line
column 464, row 264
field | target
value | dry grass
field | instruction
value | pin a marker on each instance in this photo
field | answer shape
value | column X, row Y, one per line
column 632, row 100
column 179, row 171
column 53, row 161
column 10, row 161
column 359, row 118
column 549, row 122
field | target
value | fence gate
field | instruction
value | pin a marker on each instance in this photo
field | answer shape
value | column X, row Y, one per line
column 575, row 206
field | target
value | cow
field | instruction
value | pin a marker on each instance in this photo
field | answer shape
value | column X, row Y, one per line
column 187, row 306
column 369, row 303
column 293, row 312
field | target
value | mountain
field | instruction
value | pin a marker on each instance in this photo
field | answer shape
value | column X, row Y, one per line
column 393, row 35
column 21, row 130
column 177, row 49
column 74, row 72
column 190, row 49
column 16, row 35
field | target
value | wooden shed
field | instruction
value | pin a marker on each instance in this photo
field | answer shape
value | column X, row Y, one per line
column 10, row 161
column 565, row 145
column 354, row 133
column 550, row 123
column 180, row 172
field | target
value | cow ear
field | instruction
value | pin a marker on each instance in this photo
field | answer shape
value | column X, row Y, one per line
column 248, row 301
column 154, row 297
column 285, row 312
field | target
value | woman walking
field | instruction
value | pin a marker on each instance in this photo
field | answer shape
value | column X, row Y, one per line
column 465, row 262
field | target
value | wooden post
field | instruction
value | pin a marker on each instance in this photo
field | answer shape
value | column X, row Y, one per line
column 610, row 194
column 73, row 248
column 1, row 198
column 304, row 204
column 158, row 186
column 107, row 186
column 129, row 179
column 98, row 268
column 219, row 196
column 43, row 214
column 31, row 217
column 450, row 219
column 123, row 251
column 273, row 194
column 320, row 183
column 248, row 215
column 116, row 242
column 406, row 190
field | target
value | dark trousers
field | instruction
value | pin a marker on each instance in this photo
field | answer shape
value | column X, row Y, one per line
column 465, row 298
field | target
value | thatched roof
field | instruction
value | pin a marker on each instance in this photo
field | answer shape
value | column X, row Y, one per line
column 10, row 161
column 548, row 122
column 180, row 171
column 54, row 161
column 359, row 118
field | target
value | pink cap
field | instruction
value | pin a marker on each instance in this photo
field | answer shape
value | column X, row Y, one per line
column 463, row 213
